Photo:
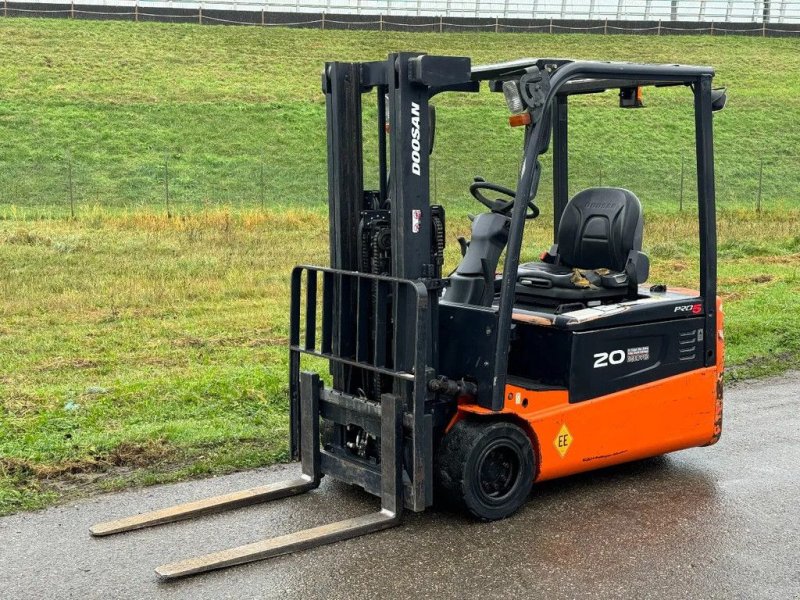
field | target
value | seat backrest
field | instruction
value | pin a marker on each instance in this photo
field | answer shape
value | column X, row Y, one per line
column 598, row 229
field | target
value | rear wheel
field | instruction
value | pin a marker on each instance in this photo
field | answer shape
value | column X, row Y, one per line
column 485, row 468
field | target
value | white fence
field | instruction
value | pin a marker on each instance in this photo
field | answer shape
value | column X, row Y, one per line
column 719, row 11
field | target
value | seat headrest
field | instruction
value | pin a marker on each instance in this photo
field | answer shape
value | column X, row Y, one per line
column 599, row 227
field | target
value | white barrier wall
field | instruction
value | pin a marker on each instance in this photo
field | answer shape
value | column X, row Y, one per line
column 741, row 11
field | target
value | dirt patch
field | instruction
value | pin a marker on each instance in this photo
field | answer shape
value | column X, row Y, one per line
column 734, row 281
column 116, row 469
column 731, row 296
column 163, row 361
column 127, row 455
column 188, row 342
column 250, row 341
column 675, row 266
column 21, row 467
column 268, row 341
column 23, row 237
column 65, row 363
column 19, row 403
column 734, row 372
column 792, row 259
column 230, row 341
column 761, row 278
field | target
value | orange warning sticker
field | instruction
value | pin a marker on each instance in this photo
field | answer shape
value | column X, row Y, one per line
column 563, row 440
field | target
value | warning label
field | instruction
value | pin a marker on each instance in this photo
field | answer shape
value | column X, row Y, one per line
column 638, row 354
column 416, row 220
column 563, row 440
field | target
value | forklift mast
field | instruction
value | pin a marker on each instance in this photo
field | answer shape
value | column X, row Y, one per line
column 380, row 328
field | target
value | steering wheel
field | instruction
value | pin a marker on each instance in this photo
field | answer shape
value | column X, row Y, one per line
column 499, row 205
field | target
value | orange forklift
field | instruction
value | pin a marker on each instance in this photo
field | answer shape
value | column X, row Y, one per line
column 470, row 388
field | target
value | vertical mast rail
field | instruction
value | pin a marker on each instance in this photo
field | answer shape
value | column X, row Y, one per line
column 706, row 203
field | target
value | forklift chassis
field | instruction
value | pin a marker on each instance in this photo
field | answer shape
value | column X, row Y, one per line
column 428, row 373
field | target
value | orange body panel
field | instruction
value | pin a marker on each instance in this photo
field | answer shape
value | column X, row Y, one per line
column 662, row 416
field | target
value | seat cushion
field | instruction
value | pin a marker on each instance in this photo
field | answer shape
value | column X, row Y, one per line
column 545, row 276
column 566, row 284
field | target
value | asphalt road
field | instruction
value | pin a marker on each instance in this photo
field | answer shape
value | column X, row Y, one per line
column 718, row 522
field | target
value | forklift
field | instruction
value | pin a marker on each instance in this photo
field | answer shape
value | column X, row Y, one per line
column 467, row 389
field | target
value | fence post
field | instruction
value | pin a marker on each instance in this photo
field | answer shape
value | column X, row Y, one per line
column 166, row 184
column 200, row 14
column 441, row 24
column 712, row 27
column 680, row 202
column 323, row 20
column 381, row 21
column 72, row 9
column 262, row 17
column 659, row 27
column 496, row 25
column 551, row 25
column 5, row 8
column 760, row 181
column 69, row 182
column 136, row 11
column 605, row 27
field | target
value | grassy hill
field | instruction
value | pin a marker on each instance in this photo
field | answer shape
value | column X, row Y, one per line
column 218, row 103
column 136, row 348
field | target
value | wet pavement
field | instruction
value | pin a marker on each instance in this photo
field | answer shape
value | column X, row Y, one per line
column 718, row 522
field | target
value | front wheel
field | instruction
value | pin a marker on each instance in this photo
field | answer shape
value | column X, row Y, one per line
column 485, row 468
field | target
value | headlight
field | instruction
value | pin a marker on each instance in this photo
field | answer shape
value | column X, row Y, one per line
column 512, row 96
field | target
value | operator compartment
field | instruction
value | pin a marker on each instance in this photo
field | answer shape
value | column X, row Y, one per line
column 606, row 348
column 584, row 321
column 597, row 256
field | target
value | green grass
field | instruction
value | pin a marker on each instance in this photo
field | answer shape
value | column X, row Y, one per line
column 136, row 348
column 144, row 342
column 221, row 102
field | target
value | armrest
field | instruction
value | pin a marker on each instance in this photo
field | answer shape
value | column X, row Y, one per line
column 637, row 268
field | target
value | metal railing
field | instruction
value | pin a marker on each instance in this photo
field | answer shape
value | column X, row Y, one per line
column 483, row 12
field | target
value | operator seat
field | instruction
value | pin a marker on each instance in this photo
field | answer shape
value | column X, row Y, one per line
column 597, row 255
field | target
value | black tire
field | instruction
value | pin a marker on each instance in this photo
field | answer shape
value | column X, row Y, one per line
column 485, row 468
